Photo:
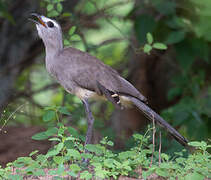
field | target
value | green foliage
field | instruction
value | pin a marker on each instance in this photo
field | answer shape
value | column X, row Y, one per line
column 54, row 7
column 66, row 158
column 186, row 32
column 71, row 36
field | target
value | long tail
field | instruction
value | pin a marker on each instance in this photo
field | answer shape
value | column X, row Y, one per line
column 150, row 114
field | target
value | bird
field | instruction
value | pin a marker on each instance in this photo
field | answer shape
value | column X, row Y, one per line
column 87, row 77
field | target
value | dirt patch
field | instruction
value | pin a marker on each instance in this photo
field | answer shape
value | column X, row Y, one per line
column 16, row 142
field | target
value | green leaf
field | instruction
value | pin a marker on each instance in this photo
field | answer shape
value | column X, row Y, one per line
column 53, row 172
column 50, row 7
column 51, row 131
column 73, row 131
column 15, row 177
column 74, row 153
column 194, row 176
column 90, row 147
column 59, row 146
column 58, row 159
column 53, row 13
column 55, row 151
column 59, row 7
column 75, row 37
column 33, row 153
column 86, row 155
column 110, row 143
column 104, row 141
column 72, row 30
column 40, row 136
column 149, row 38
column 39, row 172
column 66, row 42
column 138, row 137
column 64, row 110
column 66, row 14
column 195, row 143
column 72, row 174
column 101, row 173
column 160, row 46
column 55, row 139
column 175, row 37
column 70, row 138
column 94, row 148
column 85, row 175
column 164, row 156
column 110, row 163
column 51, row 153
column 75, row 168
column 147, row 48
column 161, row 172
column 49, row 115
column 126, row 155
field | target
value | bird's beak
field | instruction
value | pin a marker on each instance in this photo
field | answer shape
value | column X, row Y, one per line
column 37, row 19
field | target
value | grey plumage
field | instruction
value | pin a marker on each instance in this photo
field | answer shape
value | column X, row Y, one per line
column 150, row 114
column 85, row 71
column 87, row 77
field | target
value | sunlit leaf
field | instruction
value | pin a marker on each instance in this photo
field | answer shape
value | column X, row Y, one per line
column 50, row 7
column 149, row 38
column 49, row 115
column 147, row 48
column 160, row 46
column 72, row 30
column 59, row 7
column 40, row 136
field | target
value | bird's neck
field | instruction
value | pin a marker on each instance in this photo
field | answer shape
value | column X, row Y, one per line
column 53, row 48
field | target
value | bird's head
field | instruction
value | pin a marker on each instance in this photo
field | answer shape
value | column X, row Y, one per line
column 48, row 30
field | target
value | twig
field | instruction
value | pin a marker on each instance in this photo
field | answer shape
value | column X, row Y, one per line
column 123, row 35
column 104, row 43
column 112, row 24
column 10, row 116
column 29, row 94
column 160, row 151
column 153, row 139
column 108, row 7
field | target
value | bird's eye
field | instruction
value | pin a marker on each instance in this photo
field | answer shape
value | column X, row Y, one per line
column 50, row 24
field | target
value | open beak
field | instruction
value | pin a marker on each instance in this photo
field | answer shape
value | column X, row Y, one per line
column 37, row 19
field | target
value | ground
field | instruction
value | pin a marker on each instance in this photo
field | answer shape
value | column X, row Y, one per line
column 17, row 142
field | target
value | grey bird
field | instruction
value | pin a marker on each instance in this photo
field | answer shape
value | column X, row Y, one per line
column 89, row 78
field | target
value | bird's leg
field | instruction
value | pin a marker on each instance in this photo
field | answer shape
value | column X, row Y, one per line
column 90, row 121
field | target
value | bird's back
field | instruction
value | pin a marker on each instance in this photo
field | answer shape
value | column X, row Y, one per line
column 84, row 70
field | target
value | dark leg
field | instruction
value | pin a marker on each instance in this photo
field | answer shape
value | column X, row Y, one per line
column 90, row 121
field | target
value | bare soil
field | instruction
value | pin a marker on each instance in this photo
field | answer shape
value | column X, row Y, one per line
column 16, row 142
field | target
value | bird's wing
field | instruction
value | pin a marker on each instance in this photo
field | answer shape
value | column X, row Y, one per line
column 87, row 70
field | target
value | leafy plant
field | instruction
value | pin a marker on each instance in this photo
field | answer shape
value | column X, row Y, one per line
column 54, row 7
column 152, row 45
column 69, row 157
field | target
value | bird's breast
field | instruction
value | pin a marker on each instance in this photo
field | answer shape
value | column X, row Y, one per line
column 87, row 94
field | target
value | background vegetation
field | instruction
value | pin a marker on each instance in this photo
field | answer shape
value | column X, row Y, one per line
column 176, row 81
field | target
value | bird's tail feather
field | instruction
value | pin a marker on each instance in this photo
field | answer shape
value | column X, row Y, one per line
column 150, row 114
